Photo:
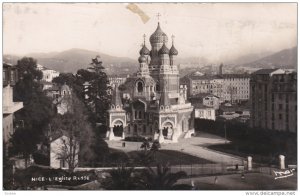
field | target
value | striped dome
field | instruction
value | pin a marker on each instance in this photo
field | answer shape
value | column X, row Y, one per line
column 158, row 36
column 144, row 51
column 164, row 50
column 142, row 59
column 173, row 51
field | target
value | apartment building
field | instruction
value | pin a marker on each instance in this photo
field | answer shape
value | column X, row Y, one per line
column 273, row 95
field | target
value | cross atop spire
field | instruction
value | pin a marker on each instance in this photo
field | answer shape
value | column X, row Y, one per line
column 144, row 39
column 158, row 15
column 172, row 39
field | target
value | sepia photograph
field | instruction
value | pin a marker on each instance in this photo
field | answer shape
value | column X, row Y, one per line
column 150, row 96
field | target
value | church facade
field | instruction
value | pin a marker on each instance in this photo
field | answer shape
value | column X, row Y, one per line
column 151, row 103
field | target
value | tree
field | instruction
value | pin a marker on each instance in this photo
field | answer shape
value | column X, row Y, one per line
column 72, row 81
column 121, row 178
column 37, row 111
column 163, row 179
column 98, row 97
column 155, row 147
column 23, row 142
column 98, row 91
column 145, row 145
column 79, row 132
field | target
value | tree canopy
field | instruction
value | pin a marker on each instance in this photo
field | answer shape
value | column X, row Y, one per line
column 37, row 111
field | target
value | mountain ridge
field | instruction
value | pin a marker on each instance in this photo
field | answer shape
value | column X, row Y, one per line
column 73, row 59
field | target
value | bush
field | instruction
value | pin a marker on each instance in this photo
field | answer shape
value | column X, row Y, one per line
column 135, row 139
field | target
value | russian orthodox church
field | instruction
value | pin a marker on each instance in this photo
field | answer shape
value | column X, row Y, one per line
column 152, row 103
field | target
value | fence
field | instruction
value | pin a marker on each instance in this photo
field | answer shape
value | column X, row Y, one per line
column 207, row 169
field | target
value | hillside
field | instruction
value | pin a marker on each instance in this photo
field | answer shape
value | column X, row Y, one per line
column 283, row 59
column 74, row 59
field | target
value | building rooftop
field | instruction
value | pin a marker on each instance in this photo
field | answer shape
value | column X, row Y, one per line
column 196, row 76
column 264, row 71
column 202, row 95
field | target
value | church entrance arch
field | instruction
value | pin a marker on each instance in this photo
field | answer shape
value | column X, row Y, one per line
column 118, row 128
column 168, row 130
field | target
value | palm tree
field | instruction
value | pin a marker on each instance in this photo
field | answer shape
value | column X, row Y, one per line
column 144, row 158
column 155, row 147
column 121, row 178
column 163, row 179
column 145, row 145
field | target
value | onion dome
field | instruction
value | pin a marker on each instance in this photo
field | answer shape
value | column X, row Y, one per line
column 142, row 59
column 173, row 51
column 158, row 36
column 164, row 50
column 144, row 51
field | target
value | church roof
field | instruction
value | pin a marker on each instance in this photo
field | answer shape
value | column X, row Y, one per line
column 173, row 50
column 164, row 49
column 144, row 50
column 158, row 36
column 142, row 59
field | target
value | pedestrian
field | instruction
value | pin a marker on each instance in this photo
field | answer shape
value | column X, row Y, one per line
column 216, row 179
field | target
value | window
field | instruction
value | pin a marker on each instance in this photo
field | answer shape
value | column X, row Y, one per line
column 280, row 116
column 280, row 106
column 62, row 163
column 272, row 106
column 12, row 78
column 209, row 113
column 4, row 75
column 140, row 87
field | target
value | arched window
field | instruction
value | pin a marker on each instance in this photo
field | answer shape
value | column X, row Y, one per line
column 140, row 87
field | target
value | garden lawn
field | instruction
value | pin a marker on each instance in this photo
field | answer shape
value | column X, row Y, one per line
column 172, row 157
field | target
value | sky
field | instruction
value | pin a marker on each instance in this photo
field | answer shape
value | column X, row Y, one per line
column 213, row 31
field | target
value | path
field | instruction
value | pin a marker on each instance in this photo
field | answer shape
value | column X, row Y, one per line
column 252, row 181
column 195, row 146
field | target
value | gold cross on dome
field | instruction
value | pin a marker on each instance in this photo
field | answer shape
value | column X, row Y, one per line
column 158, row 15
column 144, row 38
column 172, row 38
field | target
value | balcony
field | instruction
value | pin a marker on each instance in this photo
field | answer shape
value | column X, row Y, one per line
column 12, row 107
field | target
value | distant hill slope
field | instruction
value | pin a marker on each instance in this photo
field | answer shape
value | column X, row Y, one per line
column 283, row 59
column 74, row 59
